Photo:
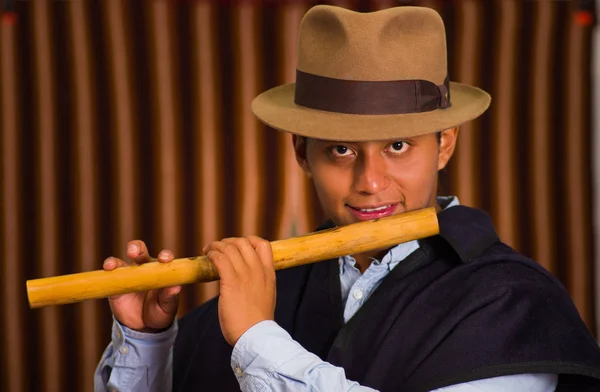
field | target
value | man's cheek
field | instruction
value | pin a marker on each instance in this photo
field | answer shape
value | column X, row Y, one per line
column 418, row 193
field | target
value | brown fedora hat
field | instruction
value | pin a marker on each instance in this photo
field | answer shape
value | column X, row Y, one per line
column 370, row 76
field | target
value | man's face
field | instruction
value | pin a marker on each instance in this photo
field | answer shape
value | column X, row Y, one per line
column 358, row 181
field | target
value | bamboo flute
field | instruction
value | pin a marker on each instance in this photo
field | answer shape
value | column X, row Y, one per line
column 322, row 245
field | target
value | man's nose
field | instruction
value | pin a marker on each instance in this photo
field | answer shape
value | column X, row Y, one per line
column 370, row 174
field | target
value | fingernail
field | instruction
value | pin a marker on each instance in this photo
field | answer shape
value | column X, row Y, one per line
column 163, row 254
column 109, row 262
column 132, row 248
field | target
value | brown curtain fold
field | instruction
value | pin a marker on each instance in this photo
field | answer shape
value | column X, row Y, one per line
column 541, row 91
column 122, row 126
column 246, row 146
column 131, row 120
column 292, row 219
column 47, row 196
column 577, row 123
column 207, row 119
column 14, row 342
column 84, row 172
column 468, row 63
column 504, row 128
column 165, row 153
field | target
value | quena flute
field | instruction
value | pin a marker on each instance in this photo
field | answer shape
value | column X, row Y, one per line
column 322, row 245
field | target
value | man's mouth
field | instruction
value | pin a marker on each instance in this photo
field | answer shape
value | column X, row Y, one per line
column 374, row 209
column 372, row 212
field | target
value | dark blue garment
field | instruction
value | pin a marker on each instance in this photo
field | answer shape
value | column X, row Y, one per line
column 464, row 306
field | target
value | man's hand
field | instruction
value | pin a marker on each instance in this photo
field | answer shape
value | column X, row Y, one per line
column 247, row 283
column 149, row 311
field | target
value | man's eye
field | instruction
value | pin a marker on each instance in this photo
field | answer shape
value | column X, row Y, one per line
column 398, row 146
column 341, row 151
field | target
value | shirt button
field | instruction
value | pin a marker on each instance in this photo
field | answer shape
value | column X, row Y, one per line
column 238, row 372
column 124, row 350
column 357, row 294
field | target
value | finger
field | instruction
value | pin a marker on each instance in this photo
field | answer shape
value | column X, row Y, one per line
column 110, row 263
column 232, row 253
column 223, row 264
column 248, row 254
column 165, row 256
column 265, row 255
column 158, row 312
column 167, row 299
column 138, row 252
column 172, row 291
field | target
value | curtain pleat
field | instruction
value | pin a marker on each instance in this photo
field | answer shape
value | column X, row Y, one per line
column 577, row 142
column 468, row 64
column 87, row 161
column 208, row 139
column 166, row 148
column 293, row 213
column 541, row 91
column 131, row 120
column 246, row 147
column 48, row 231
column 14, row 342
column 504, row 123
column 123, row 129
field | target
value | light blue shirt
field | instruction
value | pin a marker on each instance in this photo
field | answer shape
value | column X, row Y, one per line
column 266, row 358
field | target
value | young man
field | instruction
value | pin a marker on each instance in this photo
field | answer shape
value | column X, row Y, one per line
column 374, row 119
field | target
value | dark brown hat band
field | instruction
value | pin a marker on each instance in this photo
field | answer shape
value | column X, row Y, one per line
column 370, row 97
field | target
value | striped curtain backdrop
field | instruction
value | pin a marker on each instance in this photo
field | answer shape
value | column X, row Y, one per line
column 123, row 120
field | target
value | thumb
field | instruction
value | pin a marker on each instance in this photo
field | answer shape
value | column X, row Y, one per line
column 167, row 299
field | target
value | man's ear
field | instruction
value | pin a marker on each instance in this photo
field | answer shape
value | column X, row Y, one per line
column 448, row 140
column 300, row 146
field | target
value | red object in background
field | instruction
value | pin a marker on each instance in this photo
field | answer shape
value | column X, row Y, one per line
column 584, row 18
column 9, row 18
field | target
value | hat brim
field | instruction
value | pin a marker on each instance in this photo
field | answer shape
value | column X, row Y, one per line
column 276, row 108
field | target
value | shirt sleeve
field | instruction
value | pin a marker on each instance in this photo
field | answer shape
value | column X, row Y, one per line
column 514, row 382
column 266, row 358
column 136, row 361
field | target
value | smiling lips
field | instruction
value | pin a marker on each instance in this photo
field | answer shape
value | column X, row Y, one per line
column 372, row 212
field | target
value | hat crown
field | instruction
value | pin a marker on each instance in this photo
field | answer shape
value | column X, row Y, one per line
column 401, row 43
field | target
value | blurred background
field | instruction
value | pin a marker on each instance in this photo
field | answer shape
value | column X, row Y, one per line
column 128, row 120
